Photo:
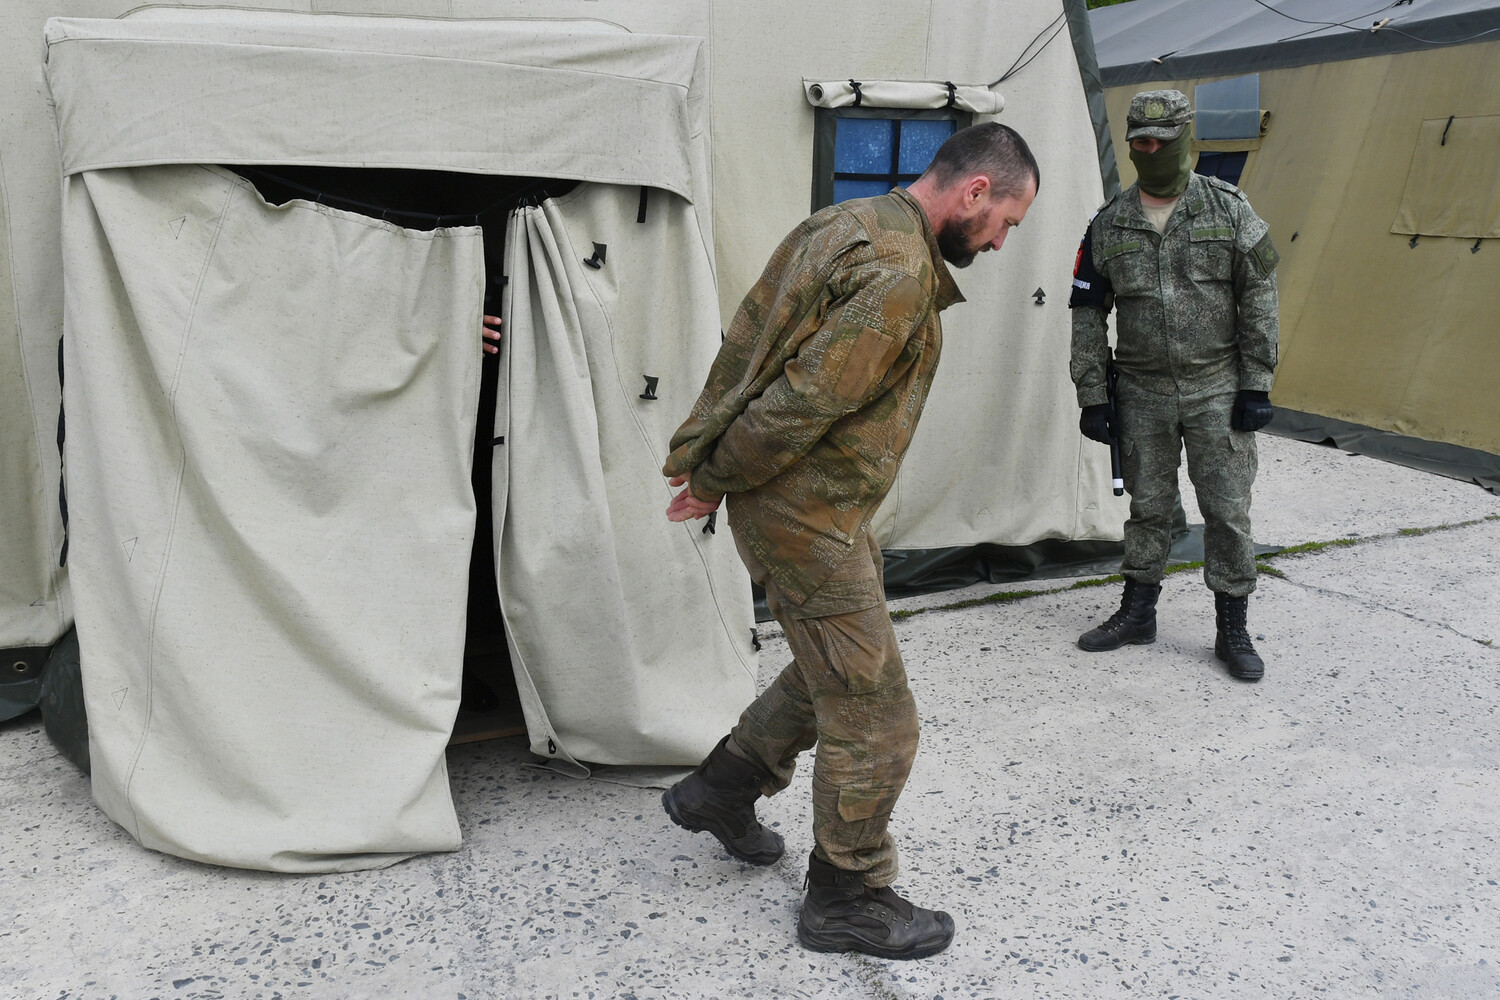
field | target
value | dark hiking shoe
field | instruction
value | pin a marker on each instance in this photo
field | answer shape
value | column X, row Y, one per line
column 1232, row 644
column 1134, row 623
column 841, row 913
column 720, row 797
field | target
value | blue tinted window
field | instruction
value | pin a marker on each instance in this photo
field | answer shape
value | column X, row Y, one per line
column 863, row 146
column 844, row 190
column 1225, row 166
column 919, row 143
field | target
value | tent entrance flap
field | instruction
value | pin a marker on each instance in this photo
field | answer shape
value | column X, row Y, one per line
column 630, row 635
column 268, row 467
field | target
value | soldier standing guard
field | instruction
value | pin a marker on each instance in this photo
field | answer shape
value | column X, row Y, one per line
column 803, row 423
column 1191, row 271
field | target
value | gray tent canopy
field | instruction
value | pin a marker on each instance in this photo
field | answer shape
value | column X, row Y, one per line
column 1148, row 40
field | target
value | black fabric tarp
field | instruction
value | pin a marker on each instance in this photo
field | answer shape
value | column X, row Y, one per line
column 1147, row 40
column 1467, row 464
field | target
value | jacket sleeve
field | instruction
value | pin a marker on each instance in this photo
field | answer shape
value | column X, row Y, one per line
column 1089, row 304
column 834, row 372
column 1257, row 324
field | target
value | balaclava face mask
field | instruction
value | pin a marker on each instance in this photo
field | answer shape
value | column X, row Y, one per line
column 1164, row 173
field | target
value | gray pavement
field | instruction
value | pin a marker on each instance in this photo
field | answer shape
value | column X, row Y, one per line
column 1129, row 824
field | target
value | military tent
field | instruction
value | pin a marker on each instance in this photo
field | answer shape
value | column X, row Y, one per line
column 1368, row 137
column 263, row 514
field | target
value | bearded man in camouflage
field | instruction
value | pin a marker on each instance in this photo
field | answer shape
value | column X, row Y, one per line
column 803, row 423
column 1191, row 271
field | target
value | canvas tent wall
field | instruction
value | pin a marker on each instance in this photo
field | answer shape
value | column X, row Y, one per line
column 1379, row 173
column 998, row 460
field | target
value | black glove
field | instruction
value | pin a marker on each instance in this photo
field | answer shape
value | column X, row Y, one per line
column 1252, row 410
column 1097, row 423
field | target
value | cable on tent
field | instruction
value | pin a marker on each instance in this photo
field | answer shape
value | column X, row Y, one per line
column 1055, row 27
column 1382, row 25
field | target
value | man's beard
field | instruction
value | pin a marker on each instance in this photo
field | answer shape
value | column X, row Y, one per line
column 954, row 242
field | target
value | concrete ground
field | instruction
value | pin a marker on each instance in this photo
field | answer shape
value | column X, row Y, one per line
column 1100, row 825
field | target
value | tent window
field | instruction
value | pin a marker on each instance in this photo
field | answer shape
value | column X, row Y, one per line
column 1225, row 166
column 1453, row 185
column 861, row 152
column 1228, row 109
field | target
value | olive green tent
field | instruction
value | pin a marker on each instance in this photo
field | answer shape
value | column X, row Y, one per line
column 1371, row 144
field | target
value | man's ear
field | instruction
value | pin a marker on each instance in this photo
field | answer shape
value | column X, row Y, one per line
column 975, row 190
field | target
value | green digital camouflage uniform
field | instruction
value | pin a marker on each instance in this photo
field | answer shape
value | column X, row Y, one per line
column 806, row 415
column 1196, row 322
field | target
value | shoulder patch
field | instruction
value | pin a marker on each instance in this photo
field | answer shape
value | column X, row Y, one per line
column 1265, row 256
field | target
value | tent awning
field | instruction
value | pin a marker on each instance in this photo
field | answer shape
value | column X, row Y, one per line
column 575, row 101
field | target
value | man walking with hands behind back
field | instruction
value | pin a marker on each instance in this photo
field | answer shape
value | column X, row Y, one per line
column 803, row 423
column 1191, row 272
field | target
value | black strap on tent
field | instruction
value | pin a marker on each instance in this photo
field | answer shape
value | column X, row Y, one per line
column 596, row 261
column 859, row 96
column 952, row 93
column 1444, row 140
column 755, row 639
column 62, row 477
column 497, row 441
column 640, row 213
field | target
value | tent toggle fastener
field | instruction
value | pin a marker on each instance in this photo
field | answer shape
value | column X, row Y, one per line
column 596, row 261
column 1413, row 243
column 650, row 392
column 1475, row 247
column 708, row 527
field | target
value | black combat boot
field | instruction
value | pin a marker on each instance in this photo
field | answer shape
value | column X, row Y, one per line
column 720, row 797
column 1134, row 623
column 841, row 913
column 1232, row 645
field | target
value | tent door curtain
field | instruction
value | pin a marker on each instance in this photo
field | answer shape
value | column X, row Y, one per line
column 270, row 421
column 630, row 635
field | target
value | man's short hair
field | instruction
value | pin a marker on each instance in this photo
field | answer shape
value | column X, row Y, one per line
column 992, row 149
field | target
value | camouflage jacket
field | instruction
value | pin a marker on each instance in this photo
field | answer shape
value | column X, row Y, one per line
column 1196, row 304
column 815, row 393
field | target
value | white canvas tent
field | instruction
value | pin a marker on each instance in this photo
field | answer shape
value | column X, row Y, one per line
column 268, row 574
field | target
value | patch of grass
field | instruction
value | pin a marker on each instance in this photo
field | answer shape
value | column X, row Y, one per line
column 1262, row 566
column 1306, row 547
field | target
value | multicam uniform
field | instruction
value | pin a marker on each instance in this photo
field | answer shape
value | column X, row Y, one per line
column 804, row 420
column 1196, row 323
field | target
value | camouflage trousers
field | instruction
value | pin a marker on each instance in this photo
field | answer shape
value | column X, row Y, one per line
column 845, row 691
column 1154, row 431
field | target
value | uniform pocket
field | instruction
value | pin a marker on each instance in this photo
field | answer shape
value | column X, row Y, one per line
column 1211, row 254
column 857, row 804
column 1129, row 269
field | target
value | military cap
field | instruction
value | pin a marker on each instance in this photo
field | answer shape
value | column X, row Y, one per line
column 1157, row 114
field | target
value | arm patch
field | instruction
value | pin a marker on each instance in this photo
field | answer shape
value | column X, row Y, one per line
column 1265, row 256
column 1090, row 288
